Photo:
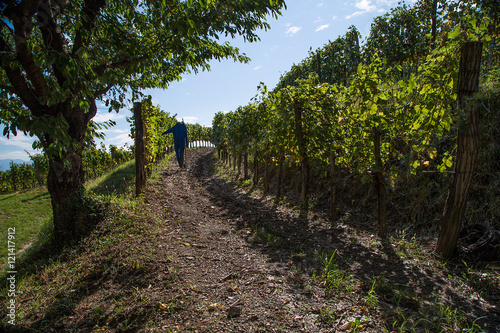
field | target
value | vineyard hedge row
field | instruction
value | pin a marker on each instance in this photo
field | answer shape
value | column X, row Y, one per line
column 374, row 114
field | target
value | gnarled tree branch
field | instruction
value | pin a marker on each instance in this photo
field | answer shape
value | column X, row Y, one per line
column 20, row 84
column 21, row 17
column 99, row 70
column 90, row 12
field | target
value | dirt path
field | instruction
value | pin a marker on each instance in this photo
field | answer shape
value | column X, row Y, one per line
column 226, row 283
column 237, row 263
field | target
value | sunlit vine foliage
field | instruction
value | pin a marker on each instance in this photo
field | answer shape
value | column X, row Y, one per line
column 401, row 84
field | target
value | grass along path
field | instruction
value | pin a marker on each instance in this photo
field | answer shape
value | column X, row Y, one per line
column 28, row 213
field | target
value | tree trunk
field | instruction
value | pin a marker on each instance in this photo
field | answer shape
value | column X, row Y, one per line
column 73, row 213
column 65, row 185
column 467, row 149
column 333, row 187
column 380, row 188
column 140, row 171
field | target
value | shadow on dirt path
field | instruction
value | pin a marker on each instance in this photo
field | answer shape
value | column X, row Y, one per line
column 274, row 257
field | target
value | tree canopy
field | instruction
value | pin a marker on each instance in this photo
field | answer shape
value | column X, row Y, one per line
column 77, row 52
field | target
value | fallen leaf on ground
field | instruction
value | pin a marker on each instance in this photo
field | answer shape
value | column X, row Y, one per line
column 346, row 326
column 214, row 306
column 162, row 306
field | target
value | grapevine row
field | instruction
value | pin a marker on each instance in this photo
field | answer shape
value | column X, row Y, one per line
column 350, row 109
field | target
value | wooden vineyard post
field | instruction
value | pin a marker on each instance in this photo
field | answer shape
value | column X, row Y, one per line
column 255, row 168
column 245, row 166
column 333, row 188
column 239, row 166
column 380, row 188
column 267, row 160
column 467, row 149
column 304, row 161
column 280, row 176
column 140, row 169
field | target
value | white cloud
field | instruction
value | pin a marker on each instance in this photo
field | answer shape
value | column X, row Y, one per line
column 274, row 47
column 116, row 130
column 256, row 68
column 104, row 115
column 14, row 155
column 334, row 17
column 292, row 31
column 367, row 6
column 20, row 145
column 21, row 141
column 190, row 119
column 322, row 27
column 118, row 140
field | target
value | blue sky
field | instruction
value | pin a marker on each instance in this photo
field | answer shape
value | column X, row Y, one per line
column 305, row 24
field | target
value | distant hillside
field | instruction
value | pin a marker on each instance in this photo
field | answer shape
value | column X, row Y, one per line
column 5, row 164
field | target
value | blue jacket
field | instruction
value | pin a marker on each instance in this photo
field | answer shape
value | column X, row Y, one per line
column 179, row 131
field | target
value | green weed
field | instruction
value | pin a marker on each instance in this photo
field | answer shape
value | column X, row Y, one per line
column 326, row 315
column 247, row 183
column 371, row 300
column 334, row 279
column 262, row 235
column 405, row 247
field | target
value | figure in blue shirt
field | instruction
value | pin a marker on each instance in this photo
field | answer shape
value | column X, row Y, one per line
column 179, row 131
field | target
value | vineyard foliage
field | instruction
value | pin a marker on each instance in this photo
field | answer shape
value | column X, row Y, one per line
column 97, row 160
column 385, row 111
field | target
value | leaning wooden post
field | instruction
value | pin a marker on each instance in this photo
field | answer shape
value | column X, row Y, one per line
column 140, row 165
column 255, row 167
column 304, row 161
column 267, row 160
column 467, row 148
column 380, row 187
column 333, row 187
